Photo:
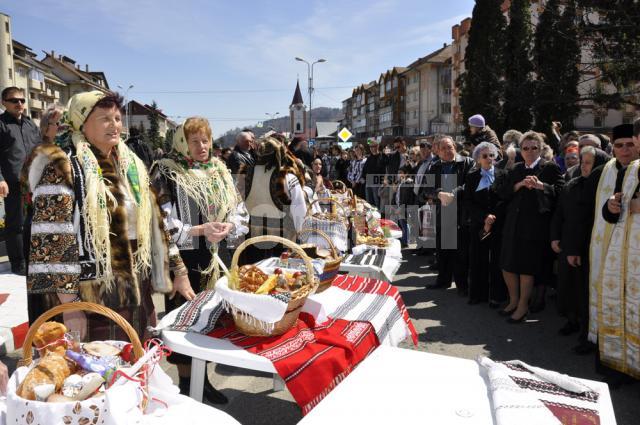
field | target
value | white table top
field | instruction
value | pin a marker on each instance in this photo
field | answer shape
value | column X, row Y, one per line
column 215, row 350
column 400, row 386
column 387, row 272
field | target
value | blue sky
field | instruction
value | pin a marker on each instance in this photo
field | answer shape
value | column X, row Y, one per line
column 185, row 54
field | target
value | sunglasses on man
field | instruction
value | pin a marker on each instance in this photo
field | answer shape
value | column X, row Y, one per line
column 488, row 155
column 623, row 145
column 16, row 100
column 530, row 148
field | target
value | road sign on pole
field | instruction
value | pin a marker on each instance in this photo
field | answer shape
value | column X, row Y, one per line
column 345, row 134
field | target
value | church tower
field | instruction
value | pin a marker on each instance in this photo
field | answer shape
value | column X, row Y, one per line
column 297, row 112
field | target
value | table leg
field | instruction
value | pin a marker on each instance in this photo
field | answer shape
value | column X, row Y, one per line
column 198, row 371
column 278, row 383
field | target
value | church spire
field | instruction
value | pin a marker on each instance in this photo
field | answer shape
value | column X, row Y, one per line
column 297, row 96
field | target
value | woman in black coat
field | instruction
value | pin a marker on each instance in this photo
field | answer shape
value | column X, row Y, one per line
column 530, row 189
column 570, row 240
column 485, row 216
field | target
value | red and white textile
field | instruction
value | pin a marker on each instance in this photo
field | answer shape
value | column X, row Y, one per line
column 527, row 394
column 310, row 358
column 357, row 298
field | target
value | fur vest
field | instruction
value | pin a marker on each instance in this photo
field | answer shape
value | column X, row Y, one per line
column 57, row 262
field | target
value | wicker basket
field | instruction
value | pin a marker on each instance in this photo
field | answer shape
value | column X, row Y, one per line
column 335, row 224
column 331, row 267
column 77, row 406
column 248, row 326
column 27, row 356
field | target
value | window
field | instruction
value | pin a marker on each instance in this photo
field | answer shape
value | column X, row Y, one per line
column 6, row 27
column 10, row 74
column 445, row 108
column 381, row 90
column 22, row 72
column 597, row 121
column 388, row 86
column 36, row 74
column 298, row 126
column 9, row 49
column 32, row 95
column 415, row 114
column 446, row 91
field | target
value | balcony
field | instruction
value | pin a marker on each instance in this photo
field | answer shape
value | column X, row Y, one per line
column 36, row 104
column 36, row 85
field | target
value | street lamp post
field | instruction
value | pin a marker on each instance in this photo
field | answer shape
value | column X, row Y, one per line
column 310, row 76
column 126, row 108
column 272, row 116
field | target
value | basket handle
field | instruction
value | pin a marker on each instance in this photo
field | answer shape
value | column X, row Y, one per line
column 354, row 201
column 286, row 242
column 27, row 357
column 324, row 236
column 341, row 183
column 332, row 201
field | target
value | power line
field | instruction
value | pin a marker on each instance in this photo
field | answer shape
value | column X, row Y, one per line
column 224, row 91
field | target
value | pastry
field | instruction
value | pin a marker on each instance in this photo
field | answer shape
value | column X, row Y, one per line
column 50, row 338
column 51, row 369
column 101, row 349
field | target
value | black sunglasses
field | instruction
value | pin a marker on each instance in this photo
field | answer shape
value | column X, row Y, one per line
column 15, row 100
column 530, row 148
column 624, row 145
column 488, row 155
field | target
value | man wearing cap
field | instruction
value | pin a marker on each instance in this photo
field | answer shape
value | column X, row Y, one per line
column 18, row 136
column 480, row 132
column 614, row 270
column 373, row 174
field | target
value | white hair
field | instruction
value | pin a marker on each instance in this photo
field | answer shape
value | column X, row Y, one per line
column 482, row 147
column 243, row 134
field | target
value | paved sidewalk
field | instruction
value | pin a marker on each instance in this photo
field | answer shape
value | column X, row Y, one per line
column 13, row 312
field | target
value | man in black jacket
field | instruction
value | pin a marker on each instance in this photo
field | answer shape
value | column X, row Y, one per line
column 444, row 188
column 18, row 136
column 373, row 173
column 243, row 153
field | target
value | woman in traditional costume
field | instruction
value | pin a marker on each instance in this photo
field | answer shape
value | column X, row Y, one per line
column 275, row 199
column 202, row 207
column 97, row 233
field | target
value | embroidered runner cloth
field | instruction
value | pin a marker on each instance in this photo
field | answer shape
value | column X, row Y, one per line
column 364, row 299
column 526, row 394
column 310, row 358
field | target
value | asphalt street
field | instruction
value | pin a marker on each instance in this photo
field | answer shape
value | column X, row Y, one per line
column 446, row 325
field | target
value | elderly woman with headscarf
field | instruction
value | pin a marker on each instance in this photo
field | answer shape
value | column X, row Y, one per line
column 570, row 241
column 485, row 214
column 201, row 207
column 97, row 233
column 531, row 189
column 274, row 197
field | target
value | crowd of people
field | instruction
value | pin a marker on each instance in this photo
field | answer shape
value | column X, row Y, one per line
column 92, row 218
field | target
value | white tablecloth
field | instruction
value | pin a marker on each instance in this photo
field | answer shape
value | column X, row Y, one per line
column 399, row 386
column 387, row 272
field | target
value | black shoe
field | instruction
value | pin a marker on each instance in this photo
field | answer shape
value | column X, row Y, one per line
column 506, row 313
column 584, row 348
column 209, row 393
column 494, row 304
column 537, row 307
column 569, row 328
column 19, row 269
column 212, row 395
column 513, row 321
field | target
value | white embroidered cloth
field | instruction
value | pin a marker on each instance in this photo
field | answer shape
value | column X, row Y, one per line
column 524, row 394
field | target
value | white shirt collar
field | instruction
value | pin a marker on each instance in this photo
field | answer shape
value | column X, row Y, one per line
column 535, row 163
